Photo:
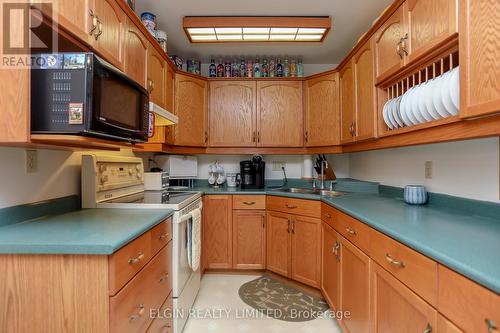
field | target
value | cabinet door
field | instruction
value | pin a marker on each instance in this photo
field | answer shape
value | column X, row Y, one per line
column 387, row 38
column 217, row 234
column 355, row 290
column 169, row 88
column 429, row 22
column 278, row 242
column 365, row 93
column 135, row 53
column 306, row 250
column 191, row 108
column 279, row 114
column 395, row 308
column 479, row 57
column 232, row 114
column 76, row 17
column 109, row 39
column 157, row 75
column 249, row 239
column 330, row 272
column 347, row 111
column 321, row 113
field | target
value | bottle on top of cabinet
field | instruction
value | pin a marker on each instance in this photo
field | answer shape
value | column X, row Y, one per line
column 235, row 68
column 279, row 68
column 212, row 69
column 243, row 68
column 300, row 68
column 293, row 68
column 264, row 71
column 272, row 68
column 227, row 69
column 286, row 69
column 220, row 69
column 249, row 69
column 256, row 68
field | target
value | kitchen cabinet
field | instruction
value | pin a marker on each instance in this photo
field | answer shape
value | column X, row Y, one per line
column 232, row 114
column 306, row 250
column 389, row 56
column 279, row 114
column 108, row 40
column 395, row 308
column 191, row 108
column 135, row 53
column 365, row 110
column 479, row 57
column 278, row 242
column 157, row 75
column 330, row 272
column 321, row 111
column 446, row 326
column 217, row 231
column 429, row 22
column 77, row 17
column 249, row 239
column 355, row 287
column 347, row 103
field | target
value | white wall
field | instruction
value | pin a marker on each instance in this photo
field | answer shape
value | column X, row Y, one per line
column 466, row 168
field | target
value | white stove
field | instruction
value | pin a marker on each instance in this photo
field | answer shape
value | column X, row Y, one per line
column 118, row 182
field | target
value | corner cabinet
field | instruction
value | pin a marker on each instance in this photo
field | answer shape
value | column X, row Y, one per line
column 321, row 111
column 279, row 114
column 232, row 114
column 191, row 107
column 217, row 231
column 479, row 57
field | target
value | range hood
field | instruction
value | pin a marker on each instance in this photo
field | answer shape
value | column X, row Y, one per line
column 161, row 116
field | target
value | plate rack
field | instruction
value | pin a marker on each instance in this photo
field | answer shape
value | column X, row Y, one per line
column 434, row 67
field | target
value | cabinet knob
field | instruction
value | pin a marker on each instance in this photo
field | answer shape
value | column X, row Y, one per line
column 328, row 216
column 394, row 262
column 163, row 277
column 350, row 231
column 491, row 325
column 164, row 236
column 428, row 328
column 94, row 22
column 139, row 313
column 140, row 256
column 290, row 206
column 249, row 203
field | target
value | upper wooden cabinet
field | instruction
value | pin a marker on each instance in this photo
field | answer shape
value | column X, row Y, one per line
column 279, row 114
column 76, row 17
column 232, row 114
column 388, row 56
column 157, row 75
column 479, row 57
column 321, row 111
column 365, row 124
column 306, row 250
column 135, row 53
column 429, row 22
column 249, row 239
column 109, row 37
column 347, row 103
column 217, row 231
column 191, row 108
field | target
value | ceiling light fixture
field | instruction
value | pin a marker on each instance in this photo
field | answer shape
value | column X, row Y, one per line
column 244, row 29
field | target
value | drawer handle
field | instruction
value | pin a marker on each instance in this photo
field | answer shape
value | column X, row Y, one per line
column 164, row 236
column 139, row 314
column 491, row 325
column 163, row 277
column 350, row 231
column 394, row 262
column 135, row 260
column 328, row 216
column 290, row 206
column 428, row 329
column 249, row 203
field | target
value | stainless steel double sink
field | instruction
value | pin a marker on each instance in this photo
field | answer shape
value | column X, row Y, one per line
column 310, row 191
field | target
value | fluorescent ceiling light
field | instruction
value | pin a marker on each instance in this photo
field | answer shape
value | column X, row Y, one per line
column 212, row 29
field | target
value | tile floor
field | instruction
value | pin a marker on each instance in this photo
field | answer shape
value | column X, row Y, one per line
column 219, row 293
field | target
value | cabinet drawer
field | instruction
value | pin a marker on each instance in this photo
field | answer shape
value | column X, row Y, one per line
column 249, row 202
column 470, row 306
column 161, row 235
column 163, row 323
column 129, row 260
column 328, row 214
column 355, row 231
column 130, row 308
column 294, row 206
column 410, row 267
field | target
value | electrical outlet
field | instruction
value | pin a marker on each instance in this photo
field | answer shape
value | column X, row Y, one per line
column 277, row 165
column 31, row 161
column 428, row 169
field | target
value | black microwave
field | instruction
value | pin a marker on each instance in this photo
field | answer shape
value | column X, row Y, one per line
column 82, row 94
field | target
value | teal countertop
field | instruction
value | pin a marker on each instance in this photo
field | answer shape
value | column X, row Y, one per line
column 84, row 231
column 461, row 234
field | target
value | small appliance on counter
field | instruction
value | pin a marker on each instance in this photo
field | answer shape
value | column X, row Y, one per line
column 252, row 173
column 156, row 181
column 182, row 170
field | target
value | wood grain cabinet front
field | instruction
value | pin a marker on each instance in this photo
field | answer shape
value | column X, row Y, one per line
column 249, row 202
column 347, row 103
column 249, row 239
column 330, row 266
column 278, row 243
column 109, row 38
column 311, row 208
column 135, row 53
column 218, row 231
column 163, row 323
column 306, row 250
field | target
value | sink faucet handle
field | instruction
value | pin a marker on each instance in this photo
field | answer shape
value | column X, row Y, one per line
column 314, row 183
column 331, row 186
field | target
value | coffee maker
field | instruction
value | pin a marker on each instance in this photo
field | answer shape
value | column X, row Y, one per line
column 252, row 172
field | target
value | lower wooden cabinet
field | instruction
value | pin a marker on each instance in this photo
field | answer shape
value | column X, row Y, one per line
column 330, row 272
column 278, row 242
column 355, row 286
column 249, row 239
column 446, row 326
column 306, row 250
column 217, row 231
column 395, row 308
column 163, row 322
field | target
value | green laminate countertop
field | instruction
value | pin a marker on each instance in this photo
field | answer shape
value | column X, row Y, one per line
column 447, row 230
column 85, row 231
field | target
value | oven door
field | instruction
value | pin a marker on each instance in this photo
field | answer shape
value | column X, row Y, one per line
column 120, row 105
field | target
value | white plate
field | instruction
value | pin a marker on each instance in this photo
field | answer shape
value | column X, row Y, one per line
column 454, row 84
column 396, row 112
column 403, row 107
column 409, row 103
column 384, row 114
column 428, row 100
column 390, row 113
column 446, row 94
column 421, row 102
column 414, row 105
column 436, row 98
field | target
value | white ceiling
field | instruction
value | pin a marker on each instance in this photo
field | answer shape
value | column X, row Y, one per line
column 350, row 19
